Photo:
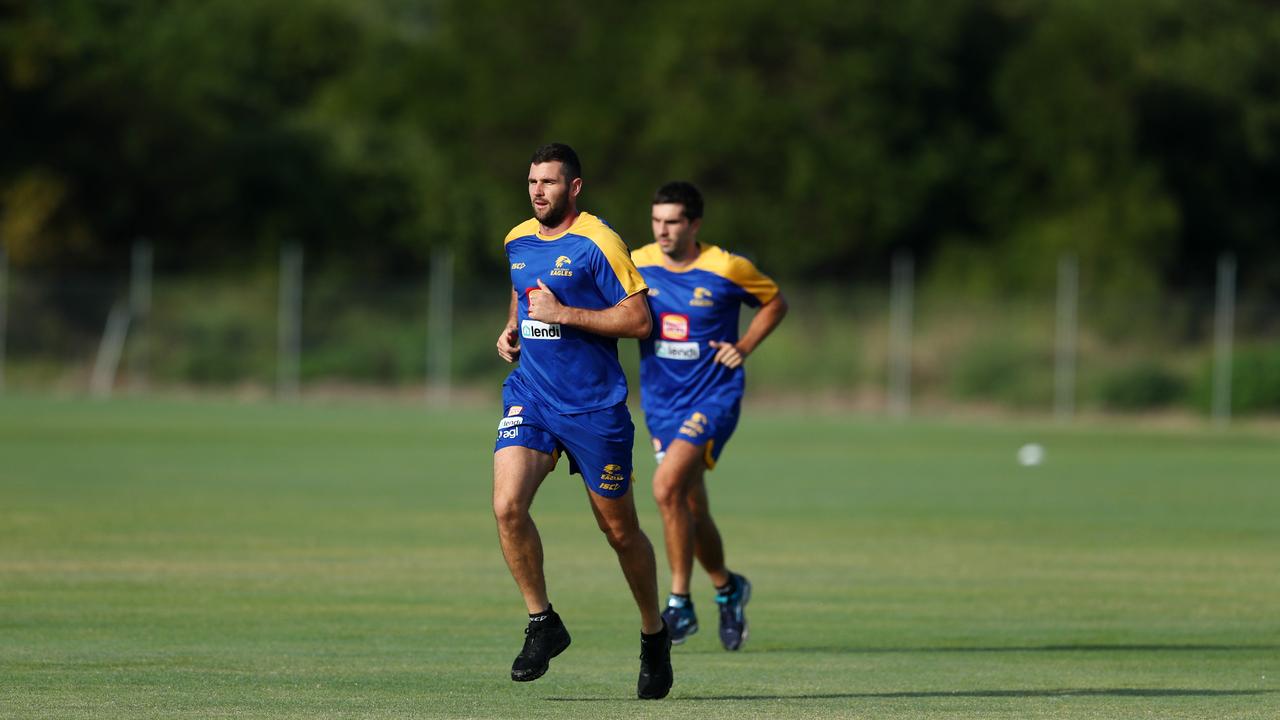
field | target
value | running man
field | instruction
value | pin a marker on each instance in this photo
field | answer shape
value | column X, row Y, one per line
column 691, row 385
column 575, row 291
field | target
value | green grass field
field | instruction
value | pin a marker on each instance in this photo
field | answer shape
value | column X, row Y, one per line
column 184, row 559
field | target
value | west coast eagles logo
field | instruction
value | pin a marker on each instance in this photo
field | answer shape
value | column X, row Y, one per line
column 701, row 297
column 561, row 270
column 611, row 477
column 695, row 425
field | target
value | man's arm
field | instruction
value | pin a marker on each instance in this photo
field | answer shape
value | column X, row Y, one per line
column 509, row 339
column 628, row 319
column 765, row 320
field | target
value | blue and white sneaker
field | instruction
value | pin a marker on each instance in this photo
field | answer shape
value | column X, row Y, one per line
column 681, row 620
column 733, row 621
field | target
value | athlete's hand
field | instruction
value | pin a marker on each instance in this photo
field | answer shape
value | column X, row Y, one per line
column 509, row 344
column 727, row 353
column 544, row 306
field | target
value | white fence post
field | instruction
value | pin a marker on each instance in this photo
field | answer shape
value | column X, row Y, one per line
column 109, row 350
column 440, row 326
column 140, row 310
column 901, row 300
column 1223, row 331
column 289, row 322
column 1064, row 366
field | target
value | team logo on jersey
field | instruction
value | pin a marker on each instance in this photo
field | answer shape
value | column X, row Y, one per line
column 701, row 297
column 538, row 330
column 675, row 326
column 695, row 425
column 561, row 270
column 517, row 266
column 653, row 292
column 515, row 410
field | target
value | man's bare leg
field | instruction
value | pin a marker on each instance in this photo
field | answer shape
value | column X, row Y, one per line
column 618, row 521
column 682, row 464
column 707, row 546
column 517, row 473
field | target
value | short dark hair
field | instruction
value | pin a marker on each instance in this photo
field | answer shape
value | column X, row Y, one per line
column 559, row 152
column 679, row 192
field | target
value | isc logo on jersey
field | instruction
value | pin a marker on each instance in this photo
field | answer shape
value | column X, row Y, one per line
column 538, row 330
column 561, row 270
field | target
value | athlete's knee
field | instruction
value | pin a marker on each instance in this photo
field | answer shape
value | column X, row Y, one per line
column 622, row 533
column 509, row 511
column 668, row 491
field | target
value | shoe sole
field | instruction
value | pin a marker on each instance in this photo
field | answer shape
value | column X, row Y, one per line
column 655, row 697
column 746, row 626
column 539, row 672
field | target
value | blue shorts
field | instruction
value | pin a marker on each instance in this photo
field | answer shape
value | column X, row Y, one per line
column 710, row 425
column 598, row 443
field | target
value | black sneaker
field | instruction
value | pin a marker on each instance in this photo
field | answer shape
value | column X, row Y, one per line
column 733, row 619
column 543, row 640
column 655, row 665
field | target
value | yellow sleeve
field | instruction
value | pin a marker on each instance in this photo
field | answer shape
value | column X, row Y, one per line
column 620, row 260
column 743, row 273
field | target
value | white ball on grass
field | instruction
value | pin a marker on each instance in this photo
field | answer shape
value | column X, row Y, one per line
column 1031, row 454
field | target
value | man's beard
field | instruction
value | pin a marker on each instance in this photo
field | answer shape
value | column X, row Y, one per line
column 555, row 213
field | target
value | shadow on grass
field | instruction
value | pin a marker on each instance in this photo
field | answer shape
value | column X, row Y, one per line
column 1076, row 692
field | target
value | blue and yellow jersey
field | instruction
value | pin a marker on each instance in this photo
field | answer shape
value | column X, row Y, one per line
column 586, row 266
column 692, row 306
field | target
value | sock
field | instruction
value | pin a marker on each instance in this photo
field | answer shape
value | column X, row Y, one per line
column 727, row 588
column 539, row 617
column 678, row 599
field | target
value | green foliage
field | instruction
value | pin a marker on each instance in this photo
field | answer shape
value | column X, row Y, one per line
column 215, row 333
column 1144, row 385
column 987, row 135
column 1002, row 370
column 1255, row 380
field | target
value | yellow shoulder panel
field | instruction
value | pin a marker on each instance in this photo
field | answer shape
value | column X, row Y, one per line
column 739, row 271
column 648, row 255
column 528, row 227
column 615, row 251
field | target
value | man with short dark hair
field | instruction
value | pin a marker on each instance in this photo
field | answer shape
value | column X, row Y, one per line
column 691, row 385
column 574, row 292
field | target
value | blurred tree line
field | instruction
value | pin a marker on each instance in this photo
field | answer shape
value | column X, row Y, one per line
column 987, row 136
